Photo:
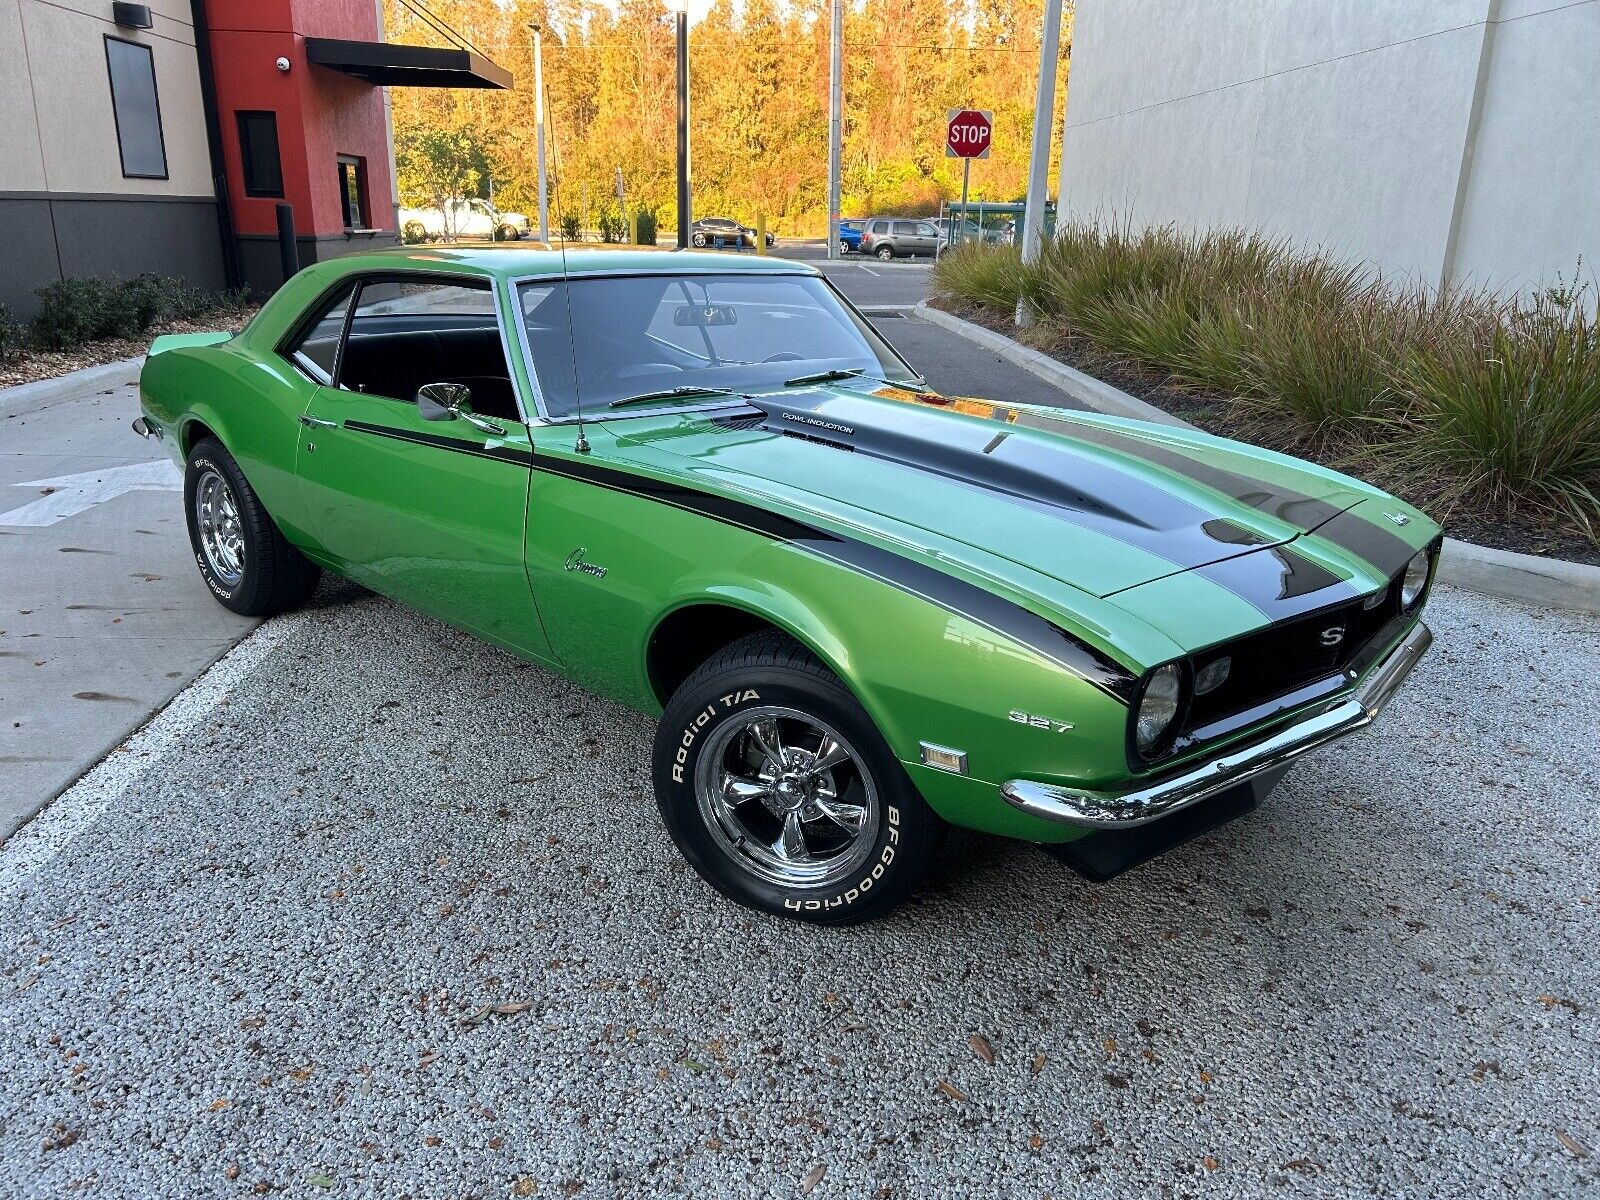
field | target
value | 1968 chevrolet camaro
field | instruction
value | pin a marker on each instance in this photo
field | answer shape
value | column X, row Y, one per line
column 708, row 488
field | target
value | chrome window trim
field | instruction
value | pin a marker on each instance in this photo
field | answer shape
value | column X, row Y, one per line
column 464, row 279
column 711, row 404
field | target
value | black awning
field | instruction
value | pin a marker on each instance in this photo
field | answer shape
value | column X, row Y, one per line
column 392, row 65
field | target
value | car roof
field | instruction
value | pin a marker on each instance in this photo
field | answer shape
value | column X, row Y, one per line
column 508, row 260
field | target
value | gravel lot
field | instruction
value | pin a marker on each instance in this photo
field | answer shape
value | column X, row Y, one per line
column 257, row 950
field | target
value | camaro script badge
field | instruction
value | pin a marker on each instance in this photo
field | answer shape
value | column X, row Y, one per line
column 1398, row 518
column 575, row 563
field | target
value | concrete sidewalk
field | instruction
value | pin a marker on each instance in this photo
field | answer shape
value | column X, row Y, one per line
column 103, row 618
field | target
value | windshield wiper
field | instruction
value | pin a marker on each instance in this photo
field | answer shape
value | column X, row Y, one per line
column 824, row 377
column 833, row 376
column 671, row 394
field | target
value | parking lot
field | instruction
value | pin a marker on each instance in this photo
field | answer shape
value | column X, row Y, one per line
column 374, row 909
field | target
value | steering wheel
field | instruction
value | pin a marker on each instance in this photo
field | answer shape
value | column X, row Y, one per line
column 783, row 356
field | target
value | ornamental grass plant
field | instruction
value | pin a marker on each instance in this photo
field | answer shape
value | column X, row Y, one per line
column 1465, row 397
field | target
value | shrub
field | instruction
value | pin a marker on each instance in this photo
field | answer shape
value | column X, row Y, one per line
column 1480, row 397
column 611, row 225
column 1515, row 415
column 11, row 334
column 646, row 227
column 71, row 312
column 570, row 229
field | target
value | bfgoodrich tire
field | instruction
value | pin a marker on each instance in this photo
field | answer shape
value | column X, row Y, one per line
column 248, row 565
column 780, row 791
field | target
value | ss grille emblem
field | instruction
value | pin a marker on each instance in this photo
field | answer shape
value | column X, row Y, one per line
column 1332, row 635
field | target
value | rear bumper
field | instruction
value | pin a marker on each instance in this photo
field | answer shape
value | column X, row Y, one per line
column 1138, row 806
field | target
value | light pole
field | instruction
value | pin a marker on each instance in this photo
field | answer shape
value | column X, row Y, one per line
column 538, row 127
column 1044, row 120
column 835, row 123
column 680, row 9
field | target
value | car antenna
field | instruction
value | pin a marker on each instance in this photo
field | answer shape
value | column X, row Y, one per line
column 581, row 446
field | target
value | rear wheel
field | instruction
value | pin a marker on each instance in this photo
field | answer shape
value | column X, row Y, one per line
column 698, row 239
column 780, row 791
column 844, row 246
column 506, row 233
column 885, row 252
column 248, row 565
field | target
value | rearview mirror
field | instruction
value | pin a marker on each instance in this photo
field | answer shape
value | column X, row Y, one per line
column 705, row 314
column 442, row 401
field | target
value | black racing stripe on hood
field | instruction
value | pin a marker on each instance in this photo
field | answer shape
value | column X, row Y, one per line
column 947, row 591
column 1352, row 531
column 1304, row 512
column 1281, row 582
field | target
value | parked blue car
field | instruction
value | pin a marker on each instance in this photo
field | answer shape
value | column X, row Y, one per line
column 850, row 237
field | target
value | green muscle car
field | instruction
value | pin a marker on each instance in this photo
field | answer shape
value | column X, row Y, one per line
column 709, row 489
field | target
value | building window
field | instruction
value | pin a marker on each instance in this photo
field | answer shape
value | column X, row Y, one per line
column 353, row 191
column 258, row 149
column 136, row 108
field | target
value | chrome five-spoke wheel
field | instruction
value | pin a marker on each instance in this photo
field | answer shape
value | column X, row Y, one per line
column 217, row 518
column 787, row 797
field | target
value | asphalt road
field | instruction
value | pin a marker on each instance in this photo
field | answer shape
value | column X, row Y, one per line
column 260, row 950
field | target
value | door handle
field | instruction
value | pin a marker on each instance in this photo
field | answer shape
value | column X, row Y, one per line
column 317, row 422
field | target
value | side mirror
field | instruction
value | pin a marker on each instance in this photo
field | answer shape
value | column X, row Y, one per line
column 443, row 401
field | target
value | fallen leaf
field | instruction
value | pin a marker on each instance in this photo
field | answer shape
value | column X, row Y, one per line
column 951, row 1090
column 513, row 1007
column 980, row 1047
column 477, row 1018
column 524, row 1187
column 813, row 1177
column 1578, row 1149
column 231, row 1171
column 1205, row 1076
column 1116, row 1081
column 1038, row 1064
column 1551, row 1002
column 1035, row 1142
column 1110, row 1045
column 218, row 1105
column 1209, row 1163
column 694, row 1066
column 319, row 1181
column 428, row 1059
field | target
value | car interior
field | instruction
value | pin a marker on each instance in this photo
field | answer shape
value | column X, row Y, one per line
column 403, row 335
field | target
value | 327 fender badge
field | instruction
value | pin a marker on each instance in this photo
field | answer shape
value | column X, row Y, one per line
column 575, row 563
column 1035, row 721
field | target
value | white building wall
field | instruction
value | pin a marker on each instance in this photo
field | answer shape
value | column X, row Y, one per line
column 1347, row 124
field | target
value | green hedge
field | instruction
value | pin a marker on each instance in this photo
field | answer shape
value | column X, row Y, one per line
column 1463, row 396
column 74, row 311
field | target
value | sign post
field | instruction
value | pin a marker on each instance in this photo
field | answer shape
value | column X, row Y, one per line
column 967, row 135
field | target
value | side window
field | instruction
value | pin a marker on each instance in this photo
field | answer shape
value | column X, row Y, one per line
column 405, row 333
column 880, row 227
column 905, row 229
column 926, row 230
column 316, row 350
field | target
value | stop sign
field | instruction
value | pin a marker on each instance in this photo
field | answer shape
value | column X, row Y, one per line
column 968, row 132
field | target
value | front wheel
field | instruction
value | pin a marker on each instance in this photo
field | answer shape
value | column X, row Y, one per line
column 844, row 246
column 780, row 791
column 246, row 562
column 699, row 241
column 885, row 252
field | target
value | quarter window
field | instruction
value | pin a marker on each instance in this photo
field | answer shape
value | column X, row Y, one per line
column 405, row 333
column 317, row 351
column 136, row 108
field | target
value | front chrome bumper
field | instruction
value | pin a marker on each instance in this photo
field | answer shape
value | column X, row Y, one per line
column 1123, row 810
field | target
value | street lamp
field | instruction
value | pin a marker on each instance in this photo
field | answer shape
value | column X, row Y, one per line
column 680, row 10
column 538, row 126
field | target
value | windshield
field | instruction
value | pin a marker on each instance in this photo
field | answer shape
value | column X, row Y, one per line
column 632, row 335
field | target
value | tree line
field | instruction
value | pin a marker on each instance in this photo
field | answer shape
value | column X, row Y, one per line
column 758, row 106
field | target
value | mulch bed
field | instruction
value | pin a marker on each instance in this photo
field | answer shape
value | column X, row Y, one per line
column 34, row 364
column 1216, row 413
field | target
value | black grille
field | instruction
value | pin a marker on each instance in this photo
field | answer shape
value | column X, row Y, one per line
column 1287, row 656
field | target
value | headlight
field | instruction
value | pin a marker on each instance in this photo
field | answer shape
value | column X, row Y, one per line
column 1416, row 578
column 1158, row 707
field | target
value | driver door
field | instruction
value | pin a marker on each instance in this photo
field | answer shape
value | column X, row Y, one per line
column 430, row 512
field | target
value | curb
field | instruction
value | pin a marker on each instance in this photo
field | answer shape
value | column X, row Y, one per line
column 1548, row 582
column 41, row 393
